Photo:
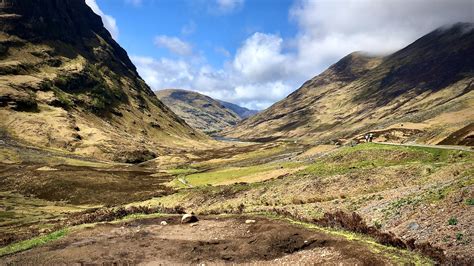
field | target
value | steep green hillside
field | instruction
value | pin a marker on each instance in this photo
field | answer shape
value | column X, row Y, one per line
column 66, row 84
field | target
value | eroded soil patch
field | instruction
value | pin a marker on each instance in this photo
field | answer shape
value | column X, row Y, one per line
column 212, row 240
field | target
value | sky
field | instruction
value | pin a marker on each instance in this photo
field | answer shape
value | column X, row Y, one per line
column 256, row 52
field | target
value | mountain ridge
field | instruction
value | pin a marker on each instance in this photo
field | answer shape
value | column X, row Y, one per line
column 66, row 84
column 243, row 112
column 201, row 111
column 406, row 96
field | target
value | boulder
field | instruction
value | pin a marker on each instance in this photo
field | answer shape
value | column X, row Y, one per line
column 250, row 221
column 163, row 223
column 189, row 218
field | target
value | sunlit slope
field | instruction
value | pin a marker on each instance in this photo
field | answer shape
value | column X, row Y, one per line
column 66, row 84
column 421, row 93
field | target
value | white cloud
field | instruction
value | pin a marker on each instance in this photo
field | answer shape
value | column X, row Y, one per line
column 174, row 44
column 164, row 73
column 254, row 78
column 260, row 58
column 109, row 22
column 268, row 67
column 329, row 30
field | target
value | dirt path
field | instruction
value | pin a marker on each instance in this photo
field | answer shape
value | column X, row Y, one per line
column 213, row 240
column 445, row 147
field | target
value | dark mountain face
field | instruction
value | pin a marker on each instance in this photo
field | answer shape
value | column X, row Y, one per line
column 59, row 63
column 69, row 21
column 242, row 112
column 431, row 63
column 428, row 85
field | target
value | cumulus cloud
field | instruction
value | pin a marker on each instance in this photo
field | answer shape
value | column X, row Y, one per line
column 255, row 77
column 260, row 58
column 268, row 67
column 109, row 22
column 328, row 30
column 174, row 44
column 164, row 73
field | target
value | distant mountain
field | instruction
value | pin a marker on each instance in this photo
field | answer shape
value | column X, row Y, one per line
column 200, row 111
column 242, row 112
column 422, row 93
column 66, row 84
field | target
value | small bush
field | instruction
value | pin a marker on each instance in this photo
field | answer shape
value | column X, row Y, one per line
column 377, row 224
column 470, row 202
column 459, row 236
column 453, row 221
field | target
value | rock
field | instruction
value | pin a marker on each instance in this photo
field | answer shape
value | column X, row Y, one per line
column 189, row 218
column 46, row 168
column 163, row 223
column 193, row 224
column 413, row 226
column 250, row 221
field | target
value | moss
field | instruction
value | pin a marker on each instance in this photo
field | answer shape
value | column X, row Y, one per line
column 470, row 202
column 90, row 87
column 31, row 243
column 216, row 177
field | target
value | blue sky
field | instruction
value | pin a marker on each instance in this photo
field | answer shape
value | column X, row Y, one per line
column 209, row 29
column 256, row 52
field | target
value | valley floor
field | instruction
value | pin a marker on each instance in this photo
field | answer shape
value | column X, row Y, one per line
column 55, row 208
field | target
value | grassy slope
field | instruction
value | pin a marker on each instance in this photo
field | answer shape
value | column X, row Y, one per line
column 390, row 186
column 421, row 93
column 80, row 93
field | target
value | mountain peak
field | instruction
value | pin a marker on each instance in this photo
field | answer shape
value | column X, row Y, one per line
column 354, row 65
column 423, row 83
column 198, row 110
column 81, row 90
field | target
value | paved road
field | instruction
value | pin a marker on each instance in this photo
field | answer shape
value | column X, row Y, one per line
column 446, row 147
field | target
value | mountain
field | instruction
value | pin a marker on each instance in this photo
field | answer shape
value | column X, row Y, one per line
column 242, row 112
column 66, row 84
column 422, row 93
column 199, row 111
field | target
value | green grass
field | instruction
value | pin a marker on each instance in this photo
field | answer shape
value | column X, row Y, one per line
column 226, row 174
column 453, row 221
column 441, row 193
column 31, row 243
column 371, row 155
column 182, row 171
column 470, row 202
